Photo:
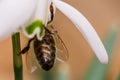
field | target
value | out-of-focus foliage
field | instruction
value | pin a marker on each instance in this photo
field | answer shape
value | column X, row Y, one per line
column 118, row 77
column 60, row 72
column 63, row 72
column 98, row 71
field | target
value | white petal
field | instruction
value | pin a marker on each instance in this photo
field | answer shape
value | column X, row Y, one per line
column 85, row 28
column 42, row 10
column 13, row 14
column 40, row 14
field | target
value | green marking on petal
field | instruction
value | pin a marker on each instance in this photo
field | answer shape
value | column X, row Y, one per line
column 42, row 31
column 32, row 27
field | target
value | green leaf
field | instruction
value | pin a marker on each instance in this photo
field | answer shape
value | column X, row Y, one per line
column 98, row 71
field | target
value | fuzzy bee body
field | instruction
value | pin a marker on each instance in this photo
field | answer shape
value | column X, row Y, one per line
column 45, row 51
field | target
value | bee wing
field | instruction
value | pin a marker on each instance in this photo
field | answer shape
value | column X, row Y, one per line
column 62, row 52
column 31, row 60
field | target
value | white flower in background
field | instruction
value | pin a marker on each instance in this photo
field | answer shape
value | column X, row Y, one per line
column 33, row 14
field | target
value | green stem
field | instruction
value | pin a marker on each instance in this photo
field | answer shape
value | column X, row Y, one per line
column 17, row 59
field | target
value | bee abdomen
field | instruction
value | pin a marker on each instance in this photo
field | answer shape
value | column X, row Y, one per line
column 45, row 52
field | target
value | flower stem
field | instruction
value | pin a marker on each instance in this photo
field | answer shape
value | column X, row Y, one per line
column 17, row 59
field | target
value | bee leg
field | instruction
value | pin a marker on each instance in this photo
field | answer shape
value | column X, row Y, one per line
column 24, row 50
column 50, row 32
column 54, row 32
column 51, row 14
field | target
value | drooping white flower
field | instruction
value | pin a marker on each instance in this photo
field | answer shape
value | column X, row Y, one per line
column 17, row 14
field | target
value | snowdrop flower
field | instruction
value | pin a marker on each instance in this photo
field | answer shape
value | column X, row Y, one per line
column 32, row 15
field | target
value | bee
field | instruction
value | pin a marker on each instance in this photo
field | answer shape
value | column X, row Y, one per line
column 47, row 50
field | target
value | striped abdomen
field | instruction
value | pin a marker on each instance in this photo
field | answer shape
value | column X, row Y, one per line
column 45, row 51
